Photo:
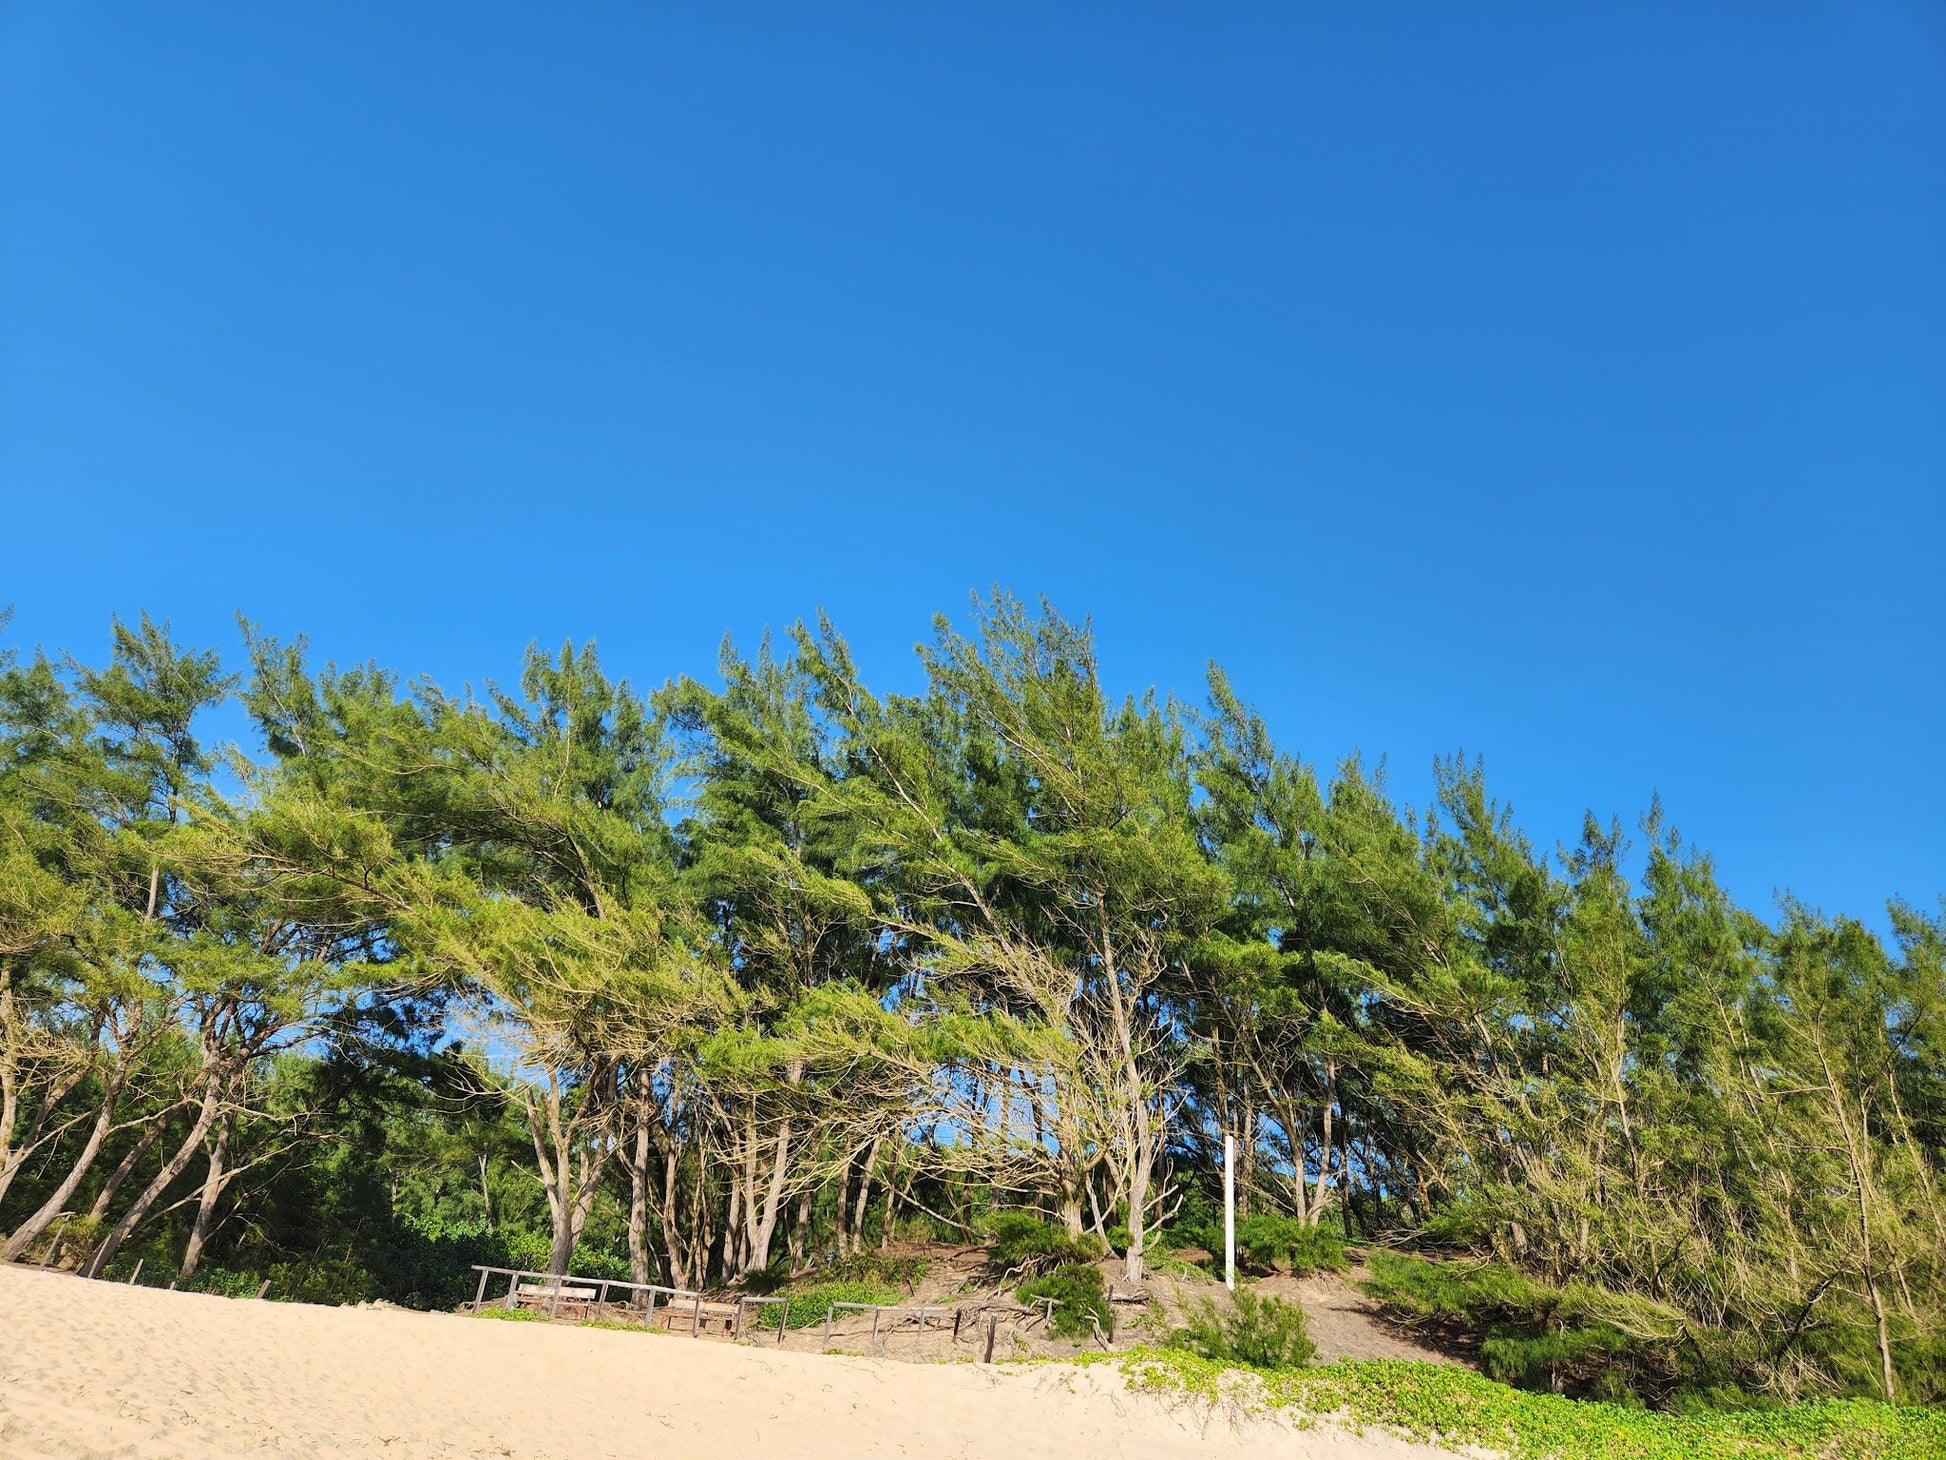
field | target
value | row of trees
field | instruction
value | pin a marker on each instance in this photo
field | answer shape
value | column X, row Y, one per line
column 732, row 977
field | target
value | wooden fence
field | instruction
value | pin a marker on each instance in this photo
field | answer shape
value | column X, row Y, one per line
column 526, row 1287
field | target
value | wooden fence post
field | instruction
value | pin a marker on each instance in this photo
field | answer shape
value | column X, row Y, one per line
column 479, row 1295
column 993, row 1327
column 138, row 1271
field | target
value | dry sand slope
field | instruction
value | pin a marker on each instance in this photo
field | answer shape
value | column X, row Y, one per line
column 96, row 1369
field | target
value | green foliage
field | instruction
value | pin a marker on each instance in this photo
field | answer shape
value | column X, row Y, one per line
column 1575, row 1338
column 1255, row 1330
column 886, row 956
column 809, row 1304
column 889, row 1269
column 1081, row 1299
column 1455, row 1407
column 1269, row 1244
column 1024, row 1243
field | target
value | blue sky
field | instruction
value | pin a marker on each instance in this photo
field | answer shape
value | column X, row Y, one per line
column 1564, row 384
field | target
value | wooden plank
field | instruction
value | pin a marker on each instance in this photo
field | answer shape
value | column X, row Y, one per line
column 480, row 1292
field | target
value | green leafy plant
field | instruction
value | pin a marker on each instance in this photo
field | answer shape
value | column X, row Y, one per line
column 1575, row 1338
column 810, row 1304
column 1267, row 1244
column 1457, row 1407
column 892, row 1269
column 1256, row 1330
column 1023, row 1243
column 1081, row 1299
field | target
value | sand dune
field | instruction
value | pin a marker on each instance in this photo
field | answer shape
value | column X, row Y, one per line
column 97, row 1369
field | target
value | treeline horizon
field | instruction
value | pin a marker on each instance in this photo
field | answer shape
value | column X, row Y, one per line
column 724, row 982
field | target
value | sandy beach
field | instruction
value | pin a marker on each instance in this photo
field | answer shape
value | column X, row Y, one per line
column 100, row 1370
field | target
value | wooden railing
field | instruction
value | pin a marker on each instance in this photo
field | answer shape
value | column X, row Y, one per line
column 734, row 1312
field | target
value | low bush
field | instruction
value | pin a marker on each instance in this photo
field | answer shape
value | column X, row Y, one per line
column 1574, row 1339
column 810, row 1304
column 897, row 1270
column 1256, row 1330
column 1023, row 1243
column 1081, row 1299
column 1283, row 1244
column 1267, row 1244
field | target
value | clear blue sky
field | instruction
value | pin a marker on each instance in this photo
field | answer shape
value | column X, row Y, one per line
column 1564, row 383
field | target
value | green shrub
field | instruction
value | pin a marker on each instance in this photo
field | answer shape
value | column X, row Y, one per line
column 900, row 1270
column 1081, row 1299
column 1023, row 1243
column 1577, row 1339
column 1256, row 1331
column 1267, row 1244
column 808, row 1305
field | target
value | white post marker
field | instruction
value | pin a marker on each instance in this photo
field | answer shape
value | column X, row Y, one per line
column 1230, row 1212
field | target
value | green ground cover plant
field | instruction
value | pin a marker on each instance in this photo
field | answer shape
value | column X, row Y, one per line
column 1457, row 1407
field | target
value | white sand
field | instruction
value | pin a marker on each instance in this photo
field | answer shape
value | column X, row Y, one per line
column 98, row 1369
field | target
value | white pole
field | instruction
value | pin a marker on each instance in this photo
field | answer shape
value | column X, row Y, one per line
column 1230, row 1212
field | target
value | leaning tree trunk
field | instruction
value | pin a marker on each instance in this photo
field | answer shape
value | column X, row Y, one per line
column 83, row 1161
column 105, row 1198
column 171, row 1169
column 213, row 1184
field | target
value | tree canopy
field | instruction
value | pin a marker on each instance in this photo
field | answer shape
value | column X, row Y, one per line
column 735, row 976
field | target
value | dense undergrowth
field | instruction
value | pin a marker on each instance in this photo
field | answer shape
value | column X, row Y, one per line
column 1583, row 1340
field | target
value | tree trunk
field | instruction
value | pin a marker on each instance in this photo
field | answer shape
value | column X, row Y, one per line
column 85, row 1159
column 171, row 1169
column 213, row 1183
column 1321, row 1191
column 864, row 1199
column 105, row 1198
column 800, row 1230
column 569, row 1198
column 841, row 1224
column 764, row 1227
column 638, row 1201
